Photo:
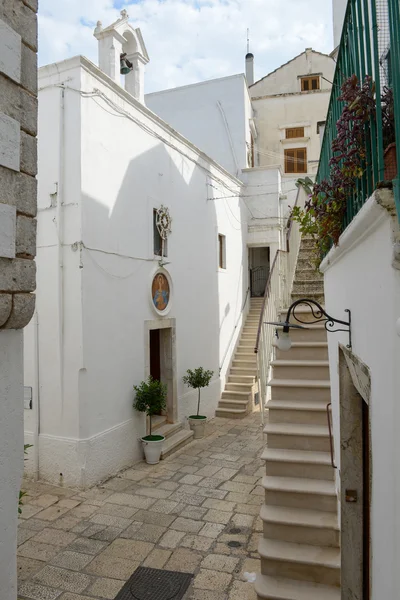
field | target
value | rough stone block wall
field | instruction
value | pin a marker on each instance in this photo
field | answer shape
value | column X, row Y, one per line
column 18, row 161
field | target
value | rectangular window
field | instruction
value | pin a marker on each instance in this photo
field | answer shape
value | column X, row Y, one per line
column 310, row 83
column 221, row 251
column 296, row 160
column 294, row 132
column 157, row 239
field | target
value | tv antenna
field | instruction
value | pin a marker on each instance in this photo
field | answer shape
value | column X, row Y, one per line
column 248, row 41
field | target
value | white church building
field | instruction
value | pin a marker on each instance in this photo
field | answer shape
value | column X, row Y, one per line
column 128, row 206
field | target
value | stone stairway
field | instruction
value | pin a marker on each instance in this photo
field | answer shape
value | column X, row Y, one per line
column 175, row 435
column 236, row 399
column 308, row 282
column 299, row 550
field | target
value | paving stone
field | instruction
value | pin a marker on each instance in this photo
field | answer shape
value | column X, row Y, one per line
column 110, row 520
column 251, row 480
column 248, row 509
column 117, row 484
column 129, row 549
column 197, row 542
column 219, row 562
column 184, row 560
column 29, row 510
column 228, row 457
column 54, row 537
column 208, row 595
column 68, row 581
column 219, row 505
column 109, row 534
column 179, row 496
column 217, row 516
column 134, row 475
column 87, row 546
column 258, row 491
column 52, row 513
column 145, row 532
column 113, row 567
column 240, row 520
column 67, row 523
column 253, row 542
column 24, row 535
column 131, row 500
column 208, row 471
column 187, row 525
column 191, row 479
column 105, row 588
column 154, row 518
column 45, row 500
column 212, row 530
column 44, row 552
column 75, row 561
column 93, row 529
column 209, row 482
column 27, row 567
column 189, row 469
column 126, row 512
column 239, row 488
column 170, row 539
column 212, row 580
column 68, row 503
column 83, row 511
column 157, row 558
column 242, row 591
column 238, row 498
column 168, row 485
column 153, row 492
column 165, row 506
column 96, row 493
column 72, row 596
column 33, row 524
column 193, row 512
column 34, row 591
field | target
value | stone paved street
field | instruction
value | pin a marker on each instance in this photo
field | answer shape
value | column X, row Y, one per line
column 197, row 511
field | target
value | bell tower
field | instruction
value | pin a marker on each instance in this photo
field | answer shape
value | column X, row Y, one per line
column 120, row 45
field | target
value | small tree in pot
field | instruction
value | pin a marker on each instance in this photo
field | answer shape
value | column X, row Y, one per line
column 197, row 379
column 151, row 398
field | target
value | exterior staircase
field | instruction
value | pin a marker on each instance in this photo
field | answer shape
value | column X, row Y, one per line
column 175, row 435
column 237, row 397
column 299, row 550
column 308, row 281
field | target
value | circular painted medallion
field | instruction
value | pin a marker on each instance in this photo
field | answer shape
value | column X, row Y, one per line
column 160, row 292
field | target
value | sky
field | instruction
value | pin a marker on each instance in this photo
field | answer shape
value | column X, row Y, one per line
column 191, row 40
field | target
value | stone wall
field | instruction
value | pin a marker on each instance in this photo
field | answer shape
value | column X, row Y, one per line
column 18, row 161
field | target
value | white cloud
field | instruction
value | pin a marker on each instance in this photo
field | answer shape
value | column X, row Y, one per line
column 191, row 40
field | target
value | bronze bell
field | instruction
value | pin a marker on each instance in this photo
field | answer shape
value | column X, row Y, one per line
column 125, row 64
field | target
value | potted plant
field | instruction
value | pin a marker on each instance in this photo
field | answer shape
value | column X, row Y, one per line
column 197, row 379
column 151, row 398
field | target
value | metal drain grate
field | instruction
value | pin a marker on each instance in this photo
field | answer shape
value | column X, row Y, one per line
column 155, row 584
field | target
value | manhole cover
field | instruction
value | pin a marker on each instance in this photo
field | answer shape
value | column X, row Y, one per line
column 234, row 544
column 155, row 584
column 235, row 530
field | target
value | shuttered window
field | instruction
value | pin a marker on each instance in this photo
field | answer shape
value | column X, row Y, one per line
column 294, row 132
column 296, row 160
column 310, row 83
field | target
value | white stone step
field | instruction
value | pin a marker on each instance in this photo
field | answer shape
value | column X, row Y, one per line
column 233, row 403
column 300, row 389
column 239, row 387
column 297, row 411
column 244, row 364
column 158, row 421
column 300, row 525
column 168, row 429
column 295, row 436
column 281, row 462
column 247, row 379
column 232, row 395
column 312, row 333
column 279, row 588
column 304, row 351
column 250, row 371
column 176, row 442
column 300, row 369
column 231, row 413
column 298, row 492
column 319, row 564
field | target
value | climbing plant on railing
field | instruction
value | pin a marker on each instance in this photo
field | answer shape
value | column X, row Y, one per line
column 323, row 213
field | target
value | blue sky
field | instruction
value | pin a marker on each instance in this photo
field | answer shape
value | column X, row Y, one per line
column 191, row 40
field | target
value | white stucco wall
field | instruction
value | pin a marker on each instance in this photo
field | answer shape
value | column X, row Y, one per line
column 214, row 115
column 116, row 171
column 11, row 463
column 278, row 104
column 359, row 275
column 339, row 10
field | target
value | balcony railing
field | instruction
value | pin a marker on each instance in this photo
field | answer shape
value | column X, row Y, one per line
column 370, row 46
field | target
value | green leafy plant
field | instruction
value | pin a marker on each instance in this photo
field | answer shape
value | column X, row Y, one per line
column 22, row 493
column 151, row 398
column 323, row 213
column 197, row 379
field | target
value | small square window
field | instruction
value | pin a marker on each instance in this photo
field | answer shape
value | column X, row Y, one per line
column 158, row 245
column 294, row 132
column 221, row 251
column 310, row 83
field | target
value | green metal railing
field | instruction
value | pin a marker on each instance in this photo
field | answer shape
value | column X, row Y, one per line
column 370, row 45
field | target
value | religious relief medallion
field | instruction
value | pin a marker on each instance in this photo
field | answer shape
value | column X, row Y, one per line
column 160, row 292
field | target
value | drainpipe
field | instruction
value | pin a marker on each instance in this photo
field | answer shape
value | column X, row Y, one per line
column 60, row 236
column 36, row 432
